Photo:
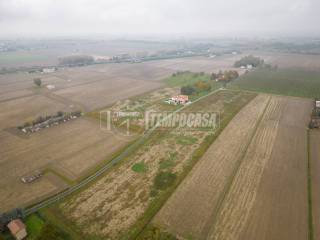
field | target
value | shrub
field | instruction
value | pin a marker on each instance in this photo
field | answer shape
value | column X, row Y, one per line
column 164, row 180
column 187, row 90
column 37, row 81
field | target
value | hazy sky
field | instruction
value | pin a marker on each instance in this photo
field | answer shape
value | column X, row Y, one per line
column 159, row 17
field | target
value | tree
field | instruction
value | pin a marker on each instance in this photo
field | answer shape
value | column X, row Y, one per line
column 249, row 60
column 202, row 86
column 187, row 90
column 213, row 76
column 37, row 81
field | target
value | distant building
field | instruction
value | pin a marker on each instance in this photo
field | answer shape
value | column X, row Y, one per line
column 17, row 229
column 249, row 66
column 5, row 218
column 317, row 103
column 48, row 70
column 51, row 87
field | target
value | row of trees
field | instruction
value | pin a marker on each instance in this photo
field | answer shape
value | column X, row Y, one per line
column 198, row 87
column 42, row 119
column 225, row 76
column 249, row 60
column 76, row 60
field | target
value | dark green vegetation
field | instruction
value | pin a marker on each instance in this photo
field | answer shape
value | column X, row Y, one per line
column 49, row 231
column 139, row 167
column 76, row 60
column 249, row 60
column 164, row 180
column 34, row 225
column 37, row 82
column 290, row 82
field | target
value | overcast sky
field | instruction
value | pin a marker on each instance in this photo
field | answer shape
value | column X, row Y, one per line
column 196, row 18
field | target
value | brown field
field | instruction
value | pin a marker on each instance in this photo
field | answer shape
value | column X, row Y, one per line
column 254, row 200
column 291, row 60
column 115, row 202
column 237, row 133
column 315, row 177
column 72, row 149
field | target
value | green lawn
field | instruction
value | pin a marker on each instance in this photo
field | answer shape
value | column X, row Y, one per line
column 292, row 82
column 34, row 225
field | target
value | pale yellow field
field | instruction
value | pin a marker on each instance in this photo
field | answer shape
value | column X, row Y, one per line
column 72, row 149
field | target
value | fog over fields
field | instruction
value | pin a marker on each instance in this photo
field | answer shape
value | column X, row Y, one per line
column 159, row 18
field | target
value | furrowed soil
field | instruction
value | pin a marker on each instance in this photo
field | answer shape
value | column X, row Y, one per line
column 315, row 179
column 265, row 197
column 190, row 208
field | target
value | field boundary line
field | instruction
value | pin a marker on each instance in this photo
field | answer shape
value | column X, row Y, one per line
column 217, row 209
column 309, row 186
column 126, row 152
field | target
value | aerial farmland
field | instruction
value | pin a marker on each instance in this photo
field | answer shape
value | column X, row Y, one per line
column 253, row 176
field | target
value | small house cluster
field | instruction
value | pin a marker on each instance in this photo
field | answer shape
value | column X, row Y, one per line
column 49, row 121
column 179, row 99
column 12, row 221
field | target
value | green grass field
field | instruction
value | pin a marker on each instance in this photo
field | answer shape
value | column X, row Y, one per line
column 19, row 58
column 186, row 78
column 290, row 82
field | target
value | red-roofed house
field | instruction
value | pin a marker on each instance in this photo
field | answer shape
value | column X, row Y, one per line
column 17, row 229
column 180, row 99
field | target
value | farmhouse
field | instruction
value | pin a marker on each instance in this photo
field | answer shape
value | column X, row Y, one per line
column 17, row 229
column 48, row 70
column 179, row 99
column 5, row 218
column 50, row 87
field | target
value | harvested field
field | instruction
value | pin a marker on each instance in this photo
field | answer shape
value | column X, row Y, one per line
column 195, row 196
column 115, row 202
column 252, row 201
column 198, row 64
column 315, row 179
column 16, row 112
column 72, row 149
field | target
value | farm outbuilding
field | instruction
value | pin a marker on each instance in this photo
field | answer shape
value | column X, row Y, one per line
column 17, row 229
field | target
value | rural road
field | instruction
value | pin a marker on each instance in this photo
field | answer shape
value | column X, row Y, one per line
column 116, row 160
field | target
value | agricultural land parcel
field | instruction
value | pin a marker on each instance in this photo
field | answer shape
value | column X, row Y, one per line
column 123, row 200
column 247, row 191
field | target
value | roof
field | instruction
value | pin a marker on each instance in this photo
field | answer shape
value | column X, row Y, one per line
column 16, row 226
column 181, row 98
